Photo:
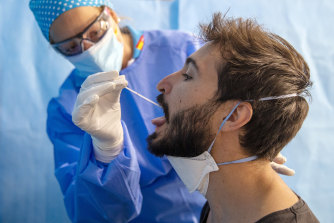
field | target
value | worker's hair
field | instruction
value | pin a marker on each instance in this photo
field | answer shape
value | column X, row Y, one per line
column 256, row 64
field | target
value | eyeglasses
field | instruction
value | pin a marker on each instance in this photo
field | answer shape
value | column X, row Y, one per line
column 92, row 33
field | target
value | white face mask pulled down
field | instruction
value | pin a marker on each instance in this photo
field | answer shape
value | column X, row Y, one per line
column 105, row 55
column 194, row 171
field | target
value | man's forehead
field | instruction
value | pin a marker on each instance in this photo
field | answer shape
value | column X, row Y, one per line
column 208, row 55
column 209, row 50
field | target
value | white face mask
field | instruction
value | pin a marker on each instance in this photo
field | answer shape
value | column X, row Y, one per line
column 105, row 55
column 194, row 171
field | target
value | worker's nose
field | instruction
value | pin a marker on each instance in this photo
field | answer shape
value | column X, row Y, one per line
column 86, row 44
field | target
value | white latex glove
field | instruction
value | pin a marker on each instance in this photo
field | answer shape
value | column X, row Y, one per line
column 278, row 166
column 97, row 111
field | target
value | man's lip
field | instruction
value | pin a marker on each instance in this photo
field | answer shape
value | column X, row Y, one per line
column 159, row 121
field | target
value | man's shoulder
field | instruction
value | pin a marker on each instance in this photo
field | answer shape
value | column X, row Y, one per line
column 299, row 212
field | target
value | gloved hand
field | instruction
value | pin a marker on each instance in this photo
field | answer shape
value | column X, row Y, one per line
column 278, row 166
column 97, row 111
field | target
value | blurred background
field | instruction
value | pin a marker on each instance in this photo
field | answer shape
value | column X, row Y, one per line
column 31, row 73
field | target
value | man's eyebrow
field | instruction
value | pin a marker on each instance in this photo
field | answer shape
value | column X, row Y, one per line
column 191, row 61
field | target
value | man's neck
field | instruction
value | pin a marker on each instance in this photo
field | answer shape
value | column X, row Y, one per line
column 246, row 192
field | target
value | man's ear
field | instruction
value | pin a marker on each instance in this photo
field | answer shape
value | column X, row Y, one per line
column 240, row 117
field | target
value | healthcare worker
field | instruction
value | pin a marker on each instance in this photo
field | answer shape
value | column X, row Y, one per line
column 104, row 178
column 102, row 165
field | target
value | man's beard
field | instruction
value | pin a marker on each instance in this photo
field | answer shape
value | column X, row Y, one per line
column 188, row 133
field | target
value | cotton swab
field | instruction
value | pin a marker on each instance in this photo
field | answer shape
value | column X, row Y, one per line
column 143, row 97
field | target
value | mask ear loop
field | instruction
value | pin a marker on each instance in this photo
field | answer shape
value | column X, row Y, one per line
column 221, row 125
column 247, row 159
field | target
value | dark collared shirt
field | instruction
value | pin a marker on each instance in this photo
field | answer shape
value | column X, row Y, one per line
column 299, row 212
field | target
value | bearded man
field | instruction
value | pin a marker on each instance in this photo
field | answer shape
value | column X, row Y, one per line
column 229, row 111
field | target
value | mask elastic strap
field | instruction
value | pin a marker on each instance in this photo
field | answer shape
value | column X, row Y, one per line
column 251, row 158
column 247, row 159
column 276, row 97
column 221, row 125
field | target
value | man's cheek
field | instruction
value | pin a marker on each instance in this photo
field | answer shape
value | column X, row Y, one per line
column 183, row 102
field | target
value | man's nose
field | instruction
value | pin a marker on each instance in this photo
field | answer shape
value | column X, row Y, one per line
column 165, row 85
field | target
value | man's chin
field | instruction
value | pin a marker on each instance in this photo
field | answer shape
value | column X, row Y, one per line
column 159, row 145
column 152, row 143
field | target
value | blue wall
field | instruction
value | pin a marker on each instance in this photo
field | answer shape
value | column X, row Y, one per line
column 31, row 72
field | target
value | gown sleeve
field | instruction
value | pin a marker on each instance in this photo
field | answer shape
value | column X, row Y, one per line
column 93, row 191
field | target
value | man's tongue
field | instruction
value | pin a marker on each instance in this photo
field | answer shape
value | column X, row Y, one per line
column 159, row 121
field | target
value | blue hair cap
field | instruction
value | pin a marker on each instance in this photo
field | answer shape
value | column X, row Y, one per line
column 46, row 11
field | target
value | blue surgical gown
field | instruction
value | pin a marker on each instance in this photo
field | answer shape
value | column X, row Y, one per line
column 136, row 186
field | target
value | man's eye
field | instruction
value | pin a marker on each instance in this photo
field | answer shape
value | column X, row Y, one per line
column 186, row 77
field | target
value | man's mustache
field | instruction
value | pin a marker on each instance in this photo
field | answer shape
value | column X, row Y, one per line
column 164, row 105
